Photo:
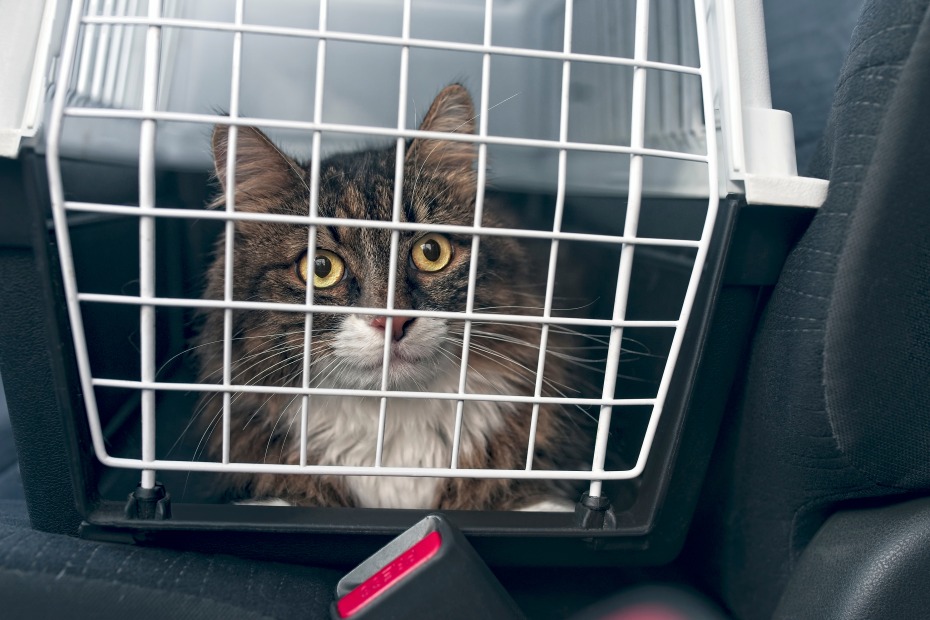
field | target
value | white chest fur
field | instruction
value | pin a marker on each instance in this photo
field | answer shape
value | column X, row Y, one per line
column 418, row 433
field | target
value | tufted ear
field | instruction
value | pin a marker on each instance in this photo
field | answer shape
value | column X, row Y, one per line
column 263, row 174
column 451, row 112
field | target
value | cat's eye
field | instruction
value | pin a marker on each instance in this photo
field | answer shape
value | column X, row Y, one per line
column 328, row 269
column 431, row 252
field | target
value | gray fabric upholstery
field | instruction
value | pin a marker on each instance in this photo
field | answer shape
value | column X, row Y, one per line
column 46, row 575
column 877, row 341
column 834, row 408
column 11, row 486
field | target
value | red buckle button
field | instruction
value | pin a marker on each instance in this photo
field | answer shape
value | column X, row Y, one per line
column 393, row 572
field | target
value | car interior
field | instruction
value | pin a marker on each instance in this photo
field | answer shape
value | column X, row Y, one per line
column 801, row 483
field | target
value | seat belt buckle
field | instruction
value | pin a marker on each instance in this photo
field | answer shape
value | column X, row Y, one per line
column 431, row 570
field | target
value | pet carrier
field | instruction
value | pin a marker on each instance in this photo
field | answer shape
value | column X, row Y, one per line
column 634, row 141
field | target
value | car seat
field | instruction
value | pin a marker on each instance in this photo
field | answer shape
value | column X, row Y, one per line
column 808, row 509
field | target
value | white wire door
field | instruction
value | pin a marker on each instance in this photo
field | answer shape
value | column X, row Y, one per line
column 76, row 74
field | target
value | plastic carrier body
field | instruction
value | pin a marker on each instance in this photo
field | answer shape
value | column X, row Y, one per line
column 642, row 128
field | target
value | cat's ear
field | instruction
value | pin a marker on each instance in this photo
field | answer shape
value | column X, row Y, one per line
column 263, row 175
column 451, row 112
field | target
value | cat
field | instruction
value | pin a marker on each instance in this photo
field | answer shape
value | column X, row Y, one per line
column 350, row 268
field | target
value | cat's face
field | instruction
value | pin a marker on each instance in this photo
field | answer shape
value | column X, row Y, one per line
column 351, row 265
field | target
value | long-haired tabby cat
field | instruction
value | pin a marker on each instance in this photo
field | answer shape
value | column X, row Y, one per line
column 350, row 268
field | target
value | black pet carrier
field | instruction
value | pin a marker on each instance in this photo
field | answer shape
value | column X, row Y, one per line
column 635, row 137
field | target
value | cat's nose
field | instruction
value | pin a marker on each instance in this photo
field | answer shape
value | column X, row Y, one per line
column 399, row 327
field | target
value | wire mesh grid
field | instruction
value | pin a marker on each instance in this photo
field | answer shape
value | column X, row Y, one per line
column 94, row 93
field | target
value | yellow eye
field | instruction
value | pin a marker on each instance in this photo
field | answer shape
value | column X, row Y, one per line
column 431, row 252
column 328, row 269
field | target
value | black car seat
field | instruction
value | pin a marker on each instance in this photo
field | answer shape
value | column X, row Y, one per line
column 809, row 509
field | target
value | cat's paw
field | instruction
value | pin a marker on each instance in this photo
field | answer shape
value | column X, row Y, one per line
column 265, row 501
column 552, row 504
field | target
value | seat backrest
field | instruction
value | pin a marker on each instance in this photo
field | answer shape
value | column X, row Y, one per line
column 834, row 409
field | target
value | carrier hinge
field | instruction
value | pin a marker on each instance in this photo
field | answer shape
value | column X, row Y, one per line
column 154, row 503
column 595, row 513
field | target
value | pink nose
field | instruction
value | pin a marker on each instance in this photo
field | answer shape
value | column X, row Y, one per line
column 399, row 327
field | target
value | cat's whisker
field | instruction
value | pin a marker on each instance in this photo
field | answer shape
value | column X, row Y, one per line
column 235, row 339
column 554, row 387
column 283, row 347
column 562, row 329
column 554, row 349
column 271, row 435
column 266, row 372
column 342, row 373
column 540, row 308
column 257, row 410
column 205, row 437
column 496, row 357
column 190, row 423
column 578, row 361
column 280, row 350
column 271, row 397
column 565, row 330
column 267, row 400
column 251, row 355
column 530, row 380
column 582, row 362
column 261, row 355
column 530, row 377
column 499, row 103
column 282, row 362
column 457, row 360
column 322, row 366
column 205, row 402
column 329, row 370
column 294, row 417
column 204, row 441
